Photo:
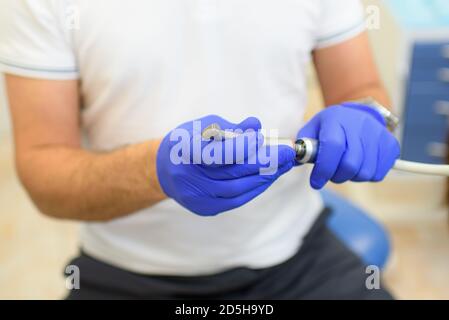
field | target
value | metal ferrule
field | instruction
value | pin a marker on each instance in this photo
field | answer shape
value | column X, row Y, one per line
column 306, row 150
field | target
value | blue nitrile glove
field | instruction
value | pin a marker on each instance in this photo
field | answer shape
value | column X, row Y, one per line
column 355, row 145
column 209, row 188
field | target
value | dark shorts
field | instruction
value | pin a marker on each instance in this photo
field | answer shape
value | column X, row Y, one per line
column 324, row 268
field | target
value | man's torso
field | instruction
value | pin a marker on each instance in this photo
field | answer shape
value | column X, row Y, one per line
column 146, row 67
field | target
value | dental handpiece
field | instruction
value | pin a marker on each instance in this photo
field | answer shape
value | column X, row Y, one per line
column 307, row 149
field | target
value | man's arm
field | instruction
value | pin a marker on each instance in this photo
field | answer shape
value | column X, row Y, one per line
column 355, row 144
column 347, row 71
column 64, row 180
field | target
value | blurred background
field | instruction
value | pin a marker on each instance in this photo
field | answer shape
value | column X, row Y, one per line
column 411, row 44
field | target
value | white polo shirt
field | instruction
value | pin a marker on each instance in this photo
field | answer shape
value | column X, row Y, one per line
column 146, row 66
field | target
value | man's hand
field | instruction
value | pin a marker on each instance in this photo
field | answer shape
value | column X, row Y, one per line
column 354, row 145
column 217, row 176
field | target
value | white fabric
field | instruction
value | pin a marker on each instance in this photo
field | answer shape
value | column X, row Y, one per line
column 147, row 66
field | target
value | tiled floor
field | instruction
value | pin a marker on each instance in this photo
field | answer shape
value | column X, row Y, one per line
column 34, row 249
column 417, row 221
column 419, row 265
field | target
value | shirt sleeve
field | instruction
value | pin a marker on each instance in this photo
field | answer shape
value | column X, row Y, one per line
column 340, row 20
column 34, row 42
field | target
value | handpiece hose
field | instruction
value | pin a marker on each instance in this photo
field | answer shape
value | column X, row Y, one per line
column 312, row 146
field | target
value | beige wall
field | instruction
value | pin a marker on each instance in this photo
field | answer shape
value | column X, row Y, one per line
column 4, row 116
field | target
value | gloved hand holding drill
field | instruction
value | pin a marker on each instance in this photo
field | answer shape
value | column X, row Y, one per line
column 354, row 144
column 208, row 189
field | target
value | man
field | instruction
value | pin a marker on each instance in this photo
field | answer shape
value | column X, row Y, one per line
column 125, row 74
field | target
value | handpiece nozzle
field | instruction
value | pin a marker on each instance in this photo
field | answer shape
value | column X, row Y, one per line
column 306, row 150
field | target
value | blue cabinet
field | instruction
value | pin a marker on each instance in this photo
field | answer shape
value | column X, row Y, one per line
column 426, row 109
column 425, row 102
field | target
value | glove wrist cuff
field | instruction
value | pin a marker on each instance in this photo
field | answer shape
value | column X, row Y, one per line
column 368, row 109
column 390, row 119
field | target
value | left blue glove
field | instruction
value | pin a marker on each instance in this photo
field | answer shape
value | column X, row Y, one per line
column 355, row 145
column 207, row 188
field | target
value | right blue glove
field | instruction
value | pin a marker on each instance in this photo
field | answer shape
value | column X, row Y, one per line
column 355, row 145
column 210, row 189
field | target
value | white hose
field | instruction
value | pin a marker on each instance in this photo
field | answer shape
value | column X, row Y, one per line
column 422, row 168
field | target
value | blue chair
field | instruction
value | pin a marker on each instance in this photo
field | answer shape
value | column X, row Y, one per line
column 361, row 233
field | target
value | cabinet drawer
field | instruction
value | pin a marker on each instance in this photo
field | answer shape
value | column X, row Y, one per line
column 429, row 70
column 431, row 54
column 428, row 88
column 424, row 144
column 427, row 110
column 430, row 74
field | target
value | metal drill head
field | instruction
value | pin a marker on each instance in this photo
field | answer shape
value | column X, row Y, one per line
column 213, row 131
